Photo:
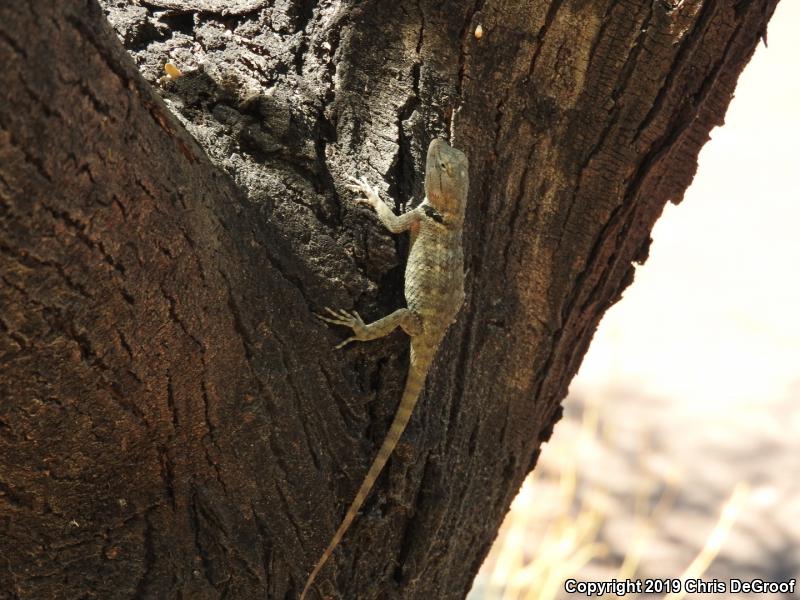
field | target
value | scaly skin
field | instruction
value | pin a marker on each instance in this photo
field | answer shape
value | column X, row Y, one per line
column 434, row 290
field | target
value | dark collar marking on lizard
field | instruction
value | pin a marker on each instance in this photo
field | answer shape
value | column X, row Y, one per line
column 433, row 213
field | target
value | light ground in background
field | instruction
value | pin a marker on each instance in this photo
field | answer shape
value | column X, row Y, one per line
column 696, row 372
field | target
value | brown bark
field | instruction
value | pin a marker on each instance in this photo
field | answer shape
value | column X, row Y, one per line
column 174, row 422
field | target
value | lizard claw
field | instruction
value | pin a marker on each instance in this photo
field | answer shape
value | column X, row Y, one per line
column 340, row 317
column 344, row 343
column 362, row 186
column 352, row 320
column 358, row 182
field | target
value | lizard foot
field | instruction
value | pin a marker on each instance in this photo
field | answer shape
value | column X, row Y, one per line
column 352, row 320
column 362, row 185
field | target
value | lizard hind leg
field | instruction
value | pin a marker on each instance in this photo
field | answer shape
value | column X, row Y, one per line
column 363, row 332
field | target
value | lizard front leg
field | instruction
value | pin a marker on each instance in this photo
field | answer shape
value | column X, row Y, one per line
column 404, row 318
column 392, row 222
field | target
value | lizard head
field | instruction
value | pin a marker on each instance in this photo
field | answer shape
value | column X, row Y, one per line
column 447, row 180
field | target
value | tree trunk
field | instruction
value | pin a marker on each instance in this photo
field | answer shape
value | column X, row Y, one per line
column 174, row 422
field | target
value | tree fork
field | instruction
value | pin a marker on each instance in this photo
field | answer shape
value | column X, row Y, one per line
column 173, row 420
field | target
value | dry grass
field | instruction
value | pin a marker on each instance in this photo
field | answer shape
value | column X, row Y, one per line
column 554, row 530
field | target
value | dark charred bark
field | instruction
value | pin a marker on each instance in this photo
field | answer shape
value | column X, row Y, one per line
column 174, row 422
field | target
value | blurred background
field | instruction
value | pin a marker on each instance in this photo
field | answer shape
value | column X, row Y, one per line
column 679, row 452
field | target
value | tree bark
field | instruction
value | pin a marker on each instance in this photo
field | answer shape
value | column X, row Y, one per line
column 174, row 422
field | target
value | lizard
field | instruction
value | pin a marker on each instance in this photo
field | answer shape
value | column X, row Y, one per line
column 434, row 292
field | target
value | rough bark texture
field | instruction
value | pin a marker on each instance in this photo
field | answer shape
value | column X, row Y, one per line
column 174, row 422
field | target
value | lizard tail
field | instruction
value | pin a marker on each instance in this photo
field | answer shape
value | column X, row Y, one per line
column 416, row 379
